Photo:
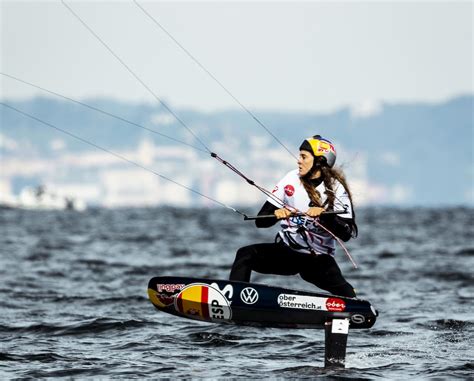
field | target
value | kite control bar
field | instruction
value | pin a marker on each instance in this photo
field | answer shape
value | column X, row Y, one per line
column 249, row 218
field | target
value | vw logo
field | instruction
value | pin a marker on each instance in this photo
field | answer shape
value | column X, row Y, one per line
column 249, row 295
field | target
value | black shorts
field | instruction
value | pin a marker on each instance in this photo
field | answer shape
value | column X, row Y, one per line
column 277, row 258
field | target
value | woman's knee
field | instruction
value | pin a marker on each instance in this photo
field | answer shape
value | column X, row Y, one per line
column 308, row 276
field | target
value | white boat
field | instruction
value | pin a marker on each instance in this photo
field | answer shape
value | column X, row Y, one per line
column 41, row 198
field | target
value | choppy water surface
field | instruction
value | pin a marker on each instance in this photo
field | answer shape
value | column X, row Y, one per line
column 73, row 297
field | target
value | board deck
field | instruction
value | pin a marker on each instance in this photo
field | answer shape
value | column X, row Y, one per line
column 224, row 301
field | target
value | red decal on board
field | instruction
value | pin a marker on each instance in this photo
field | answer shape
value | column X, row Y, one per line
column 275, row 189
column 204, row 301
column 289, row 190
column 335, row 305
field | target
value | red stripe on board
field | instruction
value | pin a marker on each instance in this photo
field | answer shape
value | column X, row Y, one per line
column 204, row 302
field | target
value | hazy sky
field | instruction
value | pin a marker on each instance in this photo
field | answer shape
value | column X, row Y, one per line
column 314, row 56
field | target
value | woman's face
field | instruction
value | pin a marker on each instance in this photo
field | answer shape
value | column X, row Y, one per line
column 305, row 162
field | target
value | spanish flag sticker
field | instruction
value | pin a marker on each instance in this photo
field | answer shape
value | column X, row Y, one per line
column 200, row 301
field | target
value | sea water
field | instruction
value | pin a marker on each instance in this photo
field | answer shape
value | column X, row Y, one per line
column 73, row 300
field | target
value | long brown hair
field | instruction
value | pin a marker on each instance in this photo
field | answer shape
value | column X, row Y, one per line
column 329, row 177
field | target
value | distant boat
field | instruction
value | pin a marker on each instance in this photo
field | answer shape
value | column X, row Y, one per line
column 41, row 198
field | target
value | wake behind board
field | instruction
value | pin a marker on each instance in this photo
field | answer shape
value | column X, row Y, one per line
column 223, row 301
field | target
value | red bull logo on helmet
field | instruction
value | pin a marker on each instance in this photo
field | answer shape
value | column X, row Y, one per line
column 321, row 147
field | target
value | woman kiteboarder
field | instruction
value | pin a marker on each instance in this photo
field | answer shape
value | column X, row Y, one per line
column 306, row 201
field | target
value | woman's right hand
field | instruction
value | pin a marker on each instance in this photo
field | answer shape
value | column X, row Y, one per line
column 283, row 213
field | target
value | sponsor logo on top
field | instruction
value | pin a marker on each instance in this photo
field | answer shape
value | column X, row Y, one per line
column 307, row 302
column 169, row 287
column 302, row 302
column 335, row 305
column 164, row 294
column 249, row 295
column 289, row 190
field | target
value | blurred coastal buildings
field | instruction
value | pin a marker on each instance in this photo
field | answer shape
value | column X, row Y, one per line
column 391, row 154
column 102, row 179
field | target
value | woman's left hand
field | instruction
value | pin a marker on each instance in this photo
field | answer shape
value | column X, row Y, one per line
column 315, row 211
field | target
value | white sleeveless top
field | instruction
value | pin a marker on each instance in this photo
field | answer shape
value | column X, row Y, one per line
column 312, row 239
